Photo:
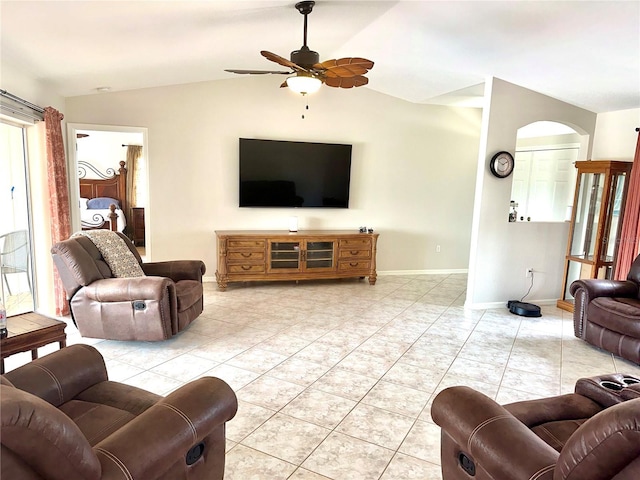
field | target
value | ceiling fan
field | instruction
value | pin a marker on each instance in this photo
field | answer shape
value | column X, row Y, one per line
column 308, row 73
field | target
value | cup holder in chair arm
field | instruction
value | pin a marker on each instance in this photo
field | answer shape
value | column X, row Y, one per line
column 607, row 390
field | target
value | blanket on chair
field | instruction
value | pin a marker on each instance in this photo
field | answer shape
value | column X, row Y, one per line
column 115, row 252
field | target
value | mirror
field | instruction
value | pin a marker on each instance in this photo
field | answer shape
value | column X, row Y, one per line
column 16, row 276
column 111, row 168
column 544, row 176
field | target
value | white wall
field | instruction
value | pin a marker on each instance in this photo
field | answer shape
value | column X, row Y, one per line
column 501, row 251
column 413, row 167
column 615, row 137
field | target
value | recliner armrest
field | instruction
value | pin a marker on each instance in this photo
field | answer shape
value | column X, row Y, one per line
column 128, row 289
column 596, row 287
column 166, row 431
column 176, row 270
column 59, row 378
column 491, row 436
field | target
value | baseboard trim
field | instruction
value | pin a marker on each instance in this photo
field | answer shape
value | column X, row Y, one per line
column 447, row 271
column 488, row 305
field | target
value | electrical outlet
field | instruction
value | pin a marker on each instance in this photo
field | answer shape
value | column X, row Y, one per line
column 437, row 248
column 529, row 272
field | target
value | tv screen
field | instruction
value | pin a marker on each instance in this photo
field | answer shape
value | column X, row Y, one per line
column 275, row 173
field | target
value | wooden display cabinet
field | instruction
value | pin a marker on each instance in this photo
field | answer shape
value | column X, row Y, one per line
column 261, row 255
column 596, row 219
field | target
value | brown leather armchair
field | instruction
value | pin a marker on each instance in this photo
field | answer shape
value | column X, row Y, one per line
column 592, row 434
column 153, row 307
column 63, row 419
column 607, row 313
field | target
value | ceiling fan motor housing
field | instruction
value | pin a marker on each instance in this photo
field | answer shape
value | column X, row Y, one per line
column 304, row 57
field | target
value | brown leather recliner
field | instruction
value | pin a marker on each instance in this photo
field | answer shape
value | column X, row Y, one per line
column 592, row 434
column 154, row 307
column 62, row 419
column 607, row 313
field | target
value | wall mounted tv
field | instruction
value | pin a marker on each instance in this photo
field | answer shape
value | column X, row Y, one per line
column 276, row 173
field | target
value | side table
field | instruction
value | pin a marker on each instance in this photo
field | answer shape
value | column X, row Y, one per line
column 29, row 331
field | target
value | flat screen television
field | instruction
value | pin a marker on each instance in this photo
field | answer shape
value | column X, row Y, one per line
column 276, row 173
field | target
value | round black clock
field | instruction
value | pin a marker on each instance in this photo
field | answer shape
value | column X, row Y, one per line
column 502, row 164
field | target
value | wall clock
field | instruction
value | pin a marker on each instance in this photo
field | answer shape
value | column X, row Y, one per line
column 502, row 164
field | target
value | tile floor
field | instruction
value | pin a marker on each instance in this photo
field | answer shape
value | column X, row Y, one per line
column 335, row 379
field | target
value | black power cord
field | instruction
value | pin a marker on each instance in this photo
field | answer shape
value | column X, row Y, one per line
column 530, row 287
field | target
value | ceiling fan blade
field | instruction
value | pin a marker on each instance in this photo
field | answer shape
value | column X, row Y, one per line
column 345, row 67
column 258, row 72
column 346, row 82
column 282, row 61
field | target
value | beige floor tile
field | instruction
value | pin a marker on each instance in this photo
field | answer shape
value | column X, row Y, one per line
column 474, row 350
column 184, row 367
column 344, row 457
column 119, row 371
column 297, row 370
column 423, row 442
column 320, row 408
column 323, row 353
column 365, row 364
column 397, row 398
column 158, row 384
column 535, row 383
column 257, row 360
column 345, row 384
column 414, row 377
column 247, row 419
column 287, row 438
column 269, row 392
column 235, row 377
column 244, row 463
column 379, row 346
column 376, row 426
column 404, row 467
column 283, row 344
column 477, row 369
column 304, row 474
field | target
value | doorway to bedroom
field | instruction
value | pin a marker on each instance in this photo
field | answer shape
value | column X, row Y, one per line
column 111, row 169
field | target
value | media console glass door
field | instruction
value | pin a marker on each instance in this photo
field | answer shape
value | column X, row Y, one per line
column 301, row 256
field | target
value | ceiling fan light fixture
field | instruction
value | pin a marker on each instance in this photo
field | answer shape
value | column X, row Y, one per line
column 304, row 84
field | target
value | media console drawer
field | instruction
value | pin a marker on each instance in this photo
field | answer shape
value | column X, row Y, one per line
column 271, row 255
column 246, row 256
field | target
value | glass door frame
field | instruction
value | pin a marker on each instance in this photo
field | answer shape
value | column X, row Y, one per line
column 12, row 309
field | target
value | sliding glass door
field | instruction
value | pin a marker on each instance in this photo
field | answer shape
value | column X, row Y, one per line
column 16, row 275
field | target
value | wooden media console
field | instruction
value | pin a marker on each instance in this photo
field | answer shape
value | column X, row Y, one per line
column 276, row 255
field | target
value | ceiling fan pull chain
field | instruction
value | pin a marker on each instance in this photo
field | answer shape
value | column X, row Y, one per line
column 306, row 106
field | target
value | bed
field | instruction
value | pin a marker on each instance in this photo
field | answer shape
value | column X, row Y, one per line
column 103, row 201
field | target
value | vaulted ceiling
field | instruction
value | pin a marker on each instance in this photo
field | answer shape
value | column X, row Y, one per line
column 586, row 53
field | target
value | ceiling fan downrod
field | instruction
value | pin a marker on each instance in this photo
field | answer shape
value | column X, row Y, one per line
column 305, row 57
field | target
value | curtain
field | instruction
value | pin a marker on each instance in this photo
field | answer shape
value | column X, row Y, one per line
column 628, row 247
column 133, row 154
column 58, row 193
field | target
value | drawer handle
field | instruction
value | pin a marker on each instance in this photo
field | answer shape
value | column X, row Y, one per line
column 354, row 252
column 353, row 264
column 246, row 267
column 246, row 255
